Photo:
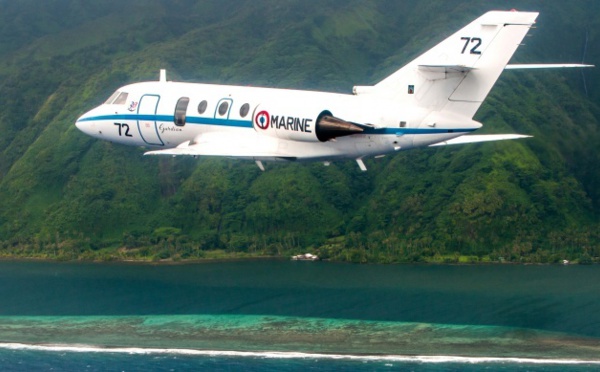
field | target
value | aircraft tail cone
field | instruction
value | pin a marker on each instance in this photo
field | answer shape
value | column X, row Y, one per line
column 329, row 127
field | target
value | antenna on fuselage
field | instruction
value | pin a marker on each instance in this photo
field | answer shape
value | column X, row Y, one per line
column 163, row 75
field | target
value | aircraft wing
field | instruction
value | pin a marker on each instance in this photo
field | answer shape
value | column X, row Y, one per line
column 545, row 65
column 479, row 138
column 228, row 145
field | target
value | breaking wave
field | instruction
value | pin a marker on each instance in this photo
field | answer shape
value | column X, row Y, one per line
column 291, row 355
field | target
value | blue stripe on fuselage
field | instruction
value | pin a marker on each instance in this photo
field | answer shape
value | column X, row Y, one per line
column 169, row 118
column 248, row 124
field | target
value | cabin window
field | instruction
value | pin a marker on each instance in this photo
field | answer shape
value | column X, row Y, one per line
column 121, row 99
column 180, row 110
column 112, row 98
column 223, row 107
column 402, row 124
column 202, row 107
column 244, row 110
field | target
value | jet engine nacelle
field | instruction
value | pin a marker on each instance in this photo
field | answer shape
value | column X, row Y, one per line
column 306, row 125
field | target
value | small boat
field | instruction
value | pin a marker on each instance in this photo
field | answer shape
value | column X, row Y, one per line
column 305, row 257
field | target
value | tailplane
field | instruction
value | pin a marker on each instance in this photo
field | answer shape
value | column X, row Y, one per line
column 456, row 75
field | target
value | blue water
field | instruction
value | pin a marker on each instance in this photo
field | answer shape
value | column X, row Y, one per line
column 279, row 315
column 28, row 360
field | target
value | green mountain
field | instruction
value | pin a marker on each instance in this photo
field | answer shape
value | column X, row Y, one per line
column 65, row 195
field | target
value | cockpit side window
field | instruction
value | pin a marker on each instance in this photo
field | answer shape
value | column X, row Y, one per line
column 121, row 99
column 112, row 98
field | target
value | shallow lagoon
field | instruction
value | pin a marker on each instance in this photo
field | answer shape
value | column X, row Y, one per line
column 544, row 312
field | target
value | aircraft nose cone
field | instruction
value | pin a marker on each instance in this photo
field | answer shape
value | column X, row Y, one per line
column 82, row 125
column 85, row 123
column 87, row 126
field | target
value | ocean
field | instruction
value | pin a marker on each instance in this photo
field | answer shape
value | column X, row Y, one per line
column 270, row 315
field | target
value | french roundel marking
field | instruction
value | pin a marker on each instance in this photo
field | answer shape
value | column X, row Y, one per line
column 262, row 120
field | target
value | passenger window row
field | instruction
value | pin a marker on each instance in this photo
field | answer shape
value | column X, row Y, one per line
column 182, row 104
column 223, row 108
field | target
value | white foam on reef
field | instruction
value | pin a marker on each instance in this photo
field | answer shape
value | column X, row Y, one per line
column 292, row 355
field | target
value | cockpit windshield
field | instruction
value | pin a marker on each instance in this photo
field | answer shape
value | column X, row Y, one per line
column 112, row 97
column 117, row 98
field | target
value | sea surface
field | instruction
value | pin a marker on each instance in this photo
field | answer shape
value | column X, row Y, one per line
column 295, row 316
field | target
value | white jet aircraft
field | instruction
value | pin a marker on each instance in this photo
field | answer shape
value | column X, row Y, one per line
column 429, row 102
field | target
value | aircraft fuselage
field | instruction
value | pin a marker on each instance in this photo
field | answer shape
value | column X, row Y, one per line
column 283, row 121
column 430, row 101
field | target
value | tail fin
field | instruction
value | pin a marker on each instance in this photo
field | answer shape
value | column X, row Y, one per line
column 456, row 75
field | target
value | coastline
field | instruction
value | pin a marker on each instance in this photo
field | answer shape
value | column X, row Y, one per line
column 140, row 261
column 237, row 257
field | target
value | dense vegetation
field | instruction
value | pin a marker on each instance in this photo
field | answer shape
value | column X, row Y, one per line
column 65, row 195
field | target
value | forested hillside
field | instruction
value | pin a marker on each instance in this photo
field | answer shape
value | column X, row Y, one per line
column 65, row 195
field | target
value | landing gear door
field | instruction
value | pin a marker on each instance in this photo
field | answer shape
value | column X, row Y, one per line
column 147, row 120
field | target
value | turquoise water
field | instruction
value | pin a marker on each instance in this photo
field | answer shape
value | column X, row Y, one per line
column 279, row 315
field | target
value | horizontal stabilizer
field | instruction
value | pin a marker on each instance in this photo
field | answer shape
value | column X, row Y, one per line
column 447, row 69
column 545, row 65
column 479, row 138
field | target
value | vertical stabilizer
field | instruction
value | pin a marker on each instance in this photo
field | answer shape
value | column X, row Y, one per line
column 456, row 75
